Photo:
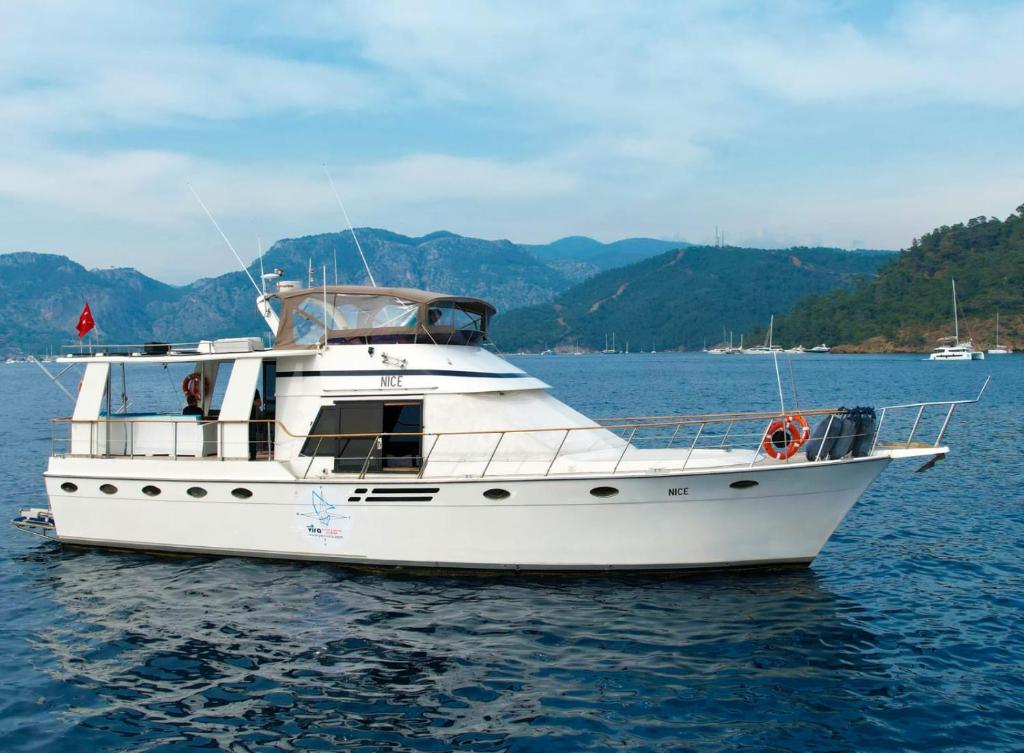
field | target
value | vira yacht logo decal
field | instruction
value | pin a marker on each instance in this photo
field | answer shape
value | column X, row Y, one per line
column 321, row 507
column 321, row 521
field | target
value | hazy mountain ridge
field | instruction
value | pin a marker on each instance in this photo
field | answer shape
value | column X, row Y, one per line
column 41, row 295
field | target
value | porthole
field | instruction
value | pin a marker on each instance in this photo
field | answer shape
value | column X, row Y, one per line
column 241, row 493
column 108, row 489
column 151, row 491
column 743, row 484
column 497, row 494
column 604, row 491
column 68, row 487
column 196, row 491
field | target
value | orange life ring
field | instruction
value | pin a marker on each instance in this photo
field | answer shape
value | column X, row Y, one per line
column 785, row 436
column 190, row 385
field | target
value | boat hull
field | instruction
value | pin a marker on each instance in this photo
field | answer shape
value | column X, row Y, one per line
column 652, row 522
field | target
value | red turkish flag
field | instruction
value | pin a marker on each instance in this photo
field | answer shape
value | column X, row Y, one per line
column 85, row 321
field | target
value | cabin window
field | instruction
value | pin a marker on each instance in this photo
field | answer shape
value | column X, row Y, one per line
column 308, row 321
column 387, row 436
column 348, row 312
column 451, row 324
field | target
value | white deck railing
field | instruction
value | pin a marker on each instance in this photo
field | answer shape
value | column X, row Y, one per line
column 703, row 441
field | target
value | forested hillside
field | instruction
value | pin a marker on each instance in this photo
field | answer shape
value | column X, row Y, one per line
column 908, row 305
column 683, row 298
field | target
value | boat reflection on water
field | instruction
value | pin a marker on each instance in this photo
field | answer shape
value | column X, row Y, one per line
column 247, row 654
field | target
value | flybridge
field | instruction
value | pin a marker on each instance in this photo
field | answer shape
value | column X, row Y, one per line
column 226, row 345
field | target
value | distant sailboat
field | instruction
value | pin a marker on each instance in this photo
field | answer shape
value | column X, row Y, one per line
column 958, row 351
column 999, row 350
column 767, row 348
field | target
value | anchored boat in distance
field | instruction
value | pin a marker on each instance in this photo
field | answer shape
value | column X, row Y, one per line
column 999, row 350
column 390, row 436
column 957, row 350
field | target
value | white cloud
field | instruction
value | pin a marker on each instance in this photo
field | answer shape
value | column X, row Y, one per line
column 623, row 113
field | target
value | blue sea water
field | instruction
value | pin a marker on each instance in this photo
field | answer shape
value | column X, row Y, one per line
column 905, row 634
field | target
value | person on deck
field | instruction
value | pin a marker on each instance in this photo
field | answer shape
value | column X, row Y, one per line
column 191, row 408
column 257, row 431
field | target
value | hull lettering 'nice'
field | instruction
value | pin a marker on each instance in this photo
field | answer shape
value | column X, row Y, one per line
column 296, row 451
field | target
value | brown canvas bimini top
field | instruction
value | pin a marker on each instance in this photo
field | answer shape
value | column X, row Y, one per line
column 356, row 313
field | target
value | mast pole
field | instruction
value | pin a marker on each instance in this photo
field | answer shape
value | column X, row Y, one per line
column 956, row 321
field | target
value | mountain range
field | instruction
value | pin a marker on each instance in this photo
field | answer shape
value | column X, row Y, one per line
column 41, row 295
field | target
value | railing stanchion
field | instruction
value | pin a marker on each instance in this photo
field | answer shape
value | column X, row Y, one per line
column 945, row 423
column 757, row 449
column 700, row 429
column 878, row 430
column 913, row 429
column 423, row 461
column 495, row 451
column 560, row 445
column 828, row 428
column 628, row 443
column 369, row 456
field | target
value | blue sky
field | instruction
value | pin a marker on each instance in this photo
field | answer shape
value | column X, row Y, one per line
column 846, row 123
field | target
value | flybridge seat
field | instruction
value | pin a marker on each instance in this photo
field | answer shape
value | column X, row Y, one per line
column 353, row 315
column 157, row 435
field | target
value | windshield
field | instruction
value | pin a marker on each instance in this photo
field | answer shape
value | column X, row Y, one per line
column 348, row 312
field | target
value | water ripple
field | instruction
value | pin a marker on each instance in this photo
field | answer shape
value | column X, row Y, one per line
column 904, row 635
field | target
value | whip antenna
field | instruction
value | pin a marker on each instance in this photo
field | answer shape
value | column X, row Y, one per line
column 350, row 228
column 240, row 262
column 259, row 249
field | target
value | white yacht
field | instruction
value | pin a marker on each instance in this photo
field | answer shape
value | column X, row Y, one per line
column 999, row 350
column 957, row 349
column 393, row 437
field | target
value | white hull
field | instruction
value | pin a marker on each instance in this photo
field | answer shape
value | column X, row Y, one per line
column 545, row 524
column 957, row 355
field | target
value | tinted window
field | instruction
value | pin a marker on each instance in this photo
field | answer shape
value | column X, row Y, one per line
column 402, row 451
column 327, row 422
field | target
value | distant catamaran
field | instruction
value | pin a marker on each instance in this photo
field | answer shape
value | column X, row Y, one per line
column 958, row 351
